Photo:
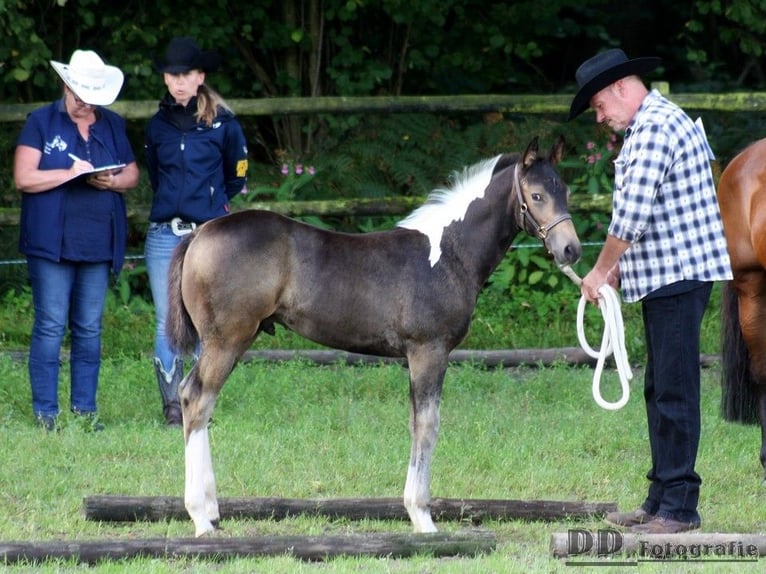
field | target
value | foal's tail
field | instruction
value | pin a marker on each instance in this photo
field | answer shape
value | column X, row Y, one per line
column 178, row 324
column 738, row 399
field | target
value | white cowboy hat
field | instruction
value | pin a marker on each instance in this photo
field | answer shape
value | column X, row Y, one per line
column 90, row 78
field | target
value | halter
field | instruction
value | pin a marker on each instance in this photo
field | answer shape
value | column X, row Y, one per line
column 540, row 230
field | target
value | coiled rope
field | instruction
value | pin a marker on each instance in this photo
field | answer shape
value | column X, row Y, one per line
column 612, row 341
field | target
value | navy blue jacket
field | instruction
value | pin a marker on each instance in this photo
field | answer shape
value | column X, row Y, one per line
column 43, row 226
column 194, row 169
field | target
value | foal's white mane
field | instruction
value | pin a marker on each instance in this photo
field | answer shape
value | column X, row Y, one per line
column 444, row 206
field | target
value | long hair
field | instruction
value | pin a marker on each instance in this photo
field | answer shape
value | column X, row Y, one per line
column 208, row 104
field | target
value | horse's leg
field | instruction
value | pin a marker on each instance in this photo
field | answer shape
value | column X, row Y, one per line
column 198, row 394
column 427, row 368
column 200, row 477
column 751, row 287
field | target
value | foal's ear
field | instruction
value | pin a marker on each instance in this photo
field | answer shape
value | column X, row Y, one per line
column 531, row 154
column 557, row 151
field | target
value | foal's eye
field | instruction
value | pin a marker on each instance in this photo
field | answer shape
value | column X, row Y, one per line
column 537, row 197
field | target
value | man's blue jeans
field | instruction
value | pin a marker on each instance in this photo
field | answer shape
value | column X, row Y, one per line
column 158, row 250
column 672, row 395
column 64, row 293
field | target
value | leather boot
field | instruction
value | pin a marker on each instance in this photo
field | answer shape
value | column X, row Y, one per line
column 168, row 383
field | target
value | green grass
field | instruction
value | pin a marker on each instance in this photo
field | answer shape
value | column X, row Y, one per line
column 297, row 430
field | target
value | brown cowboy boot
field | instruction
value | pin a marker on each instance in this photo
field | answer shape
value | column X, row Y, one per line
column 168, row 383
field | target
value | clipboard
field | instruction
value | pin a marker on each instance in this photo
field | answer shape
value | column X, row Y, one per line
column 97, row 170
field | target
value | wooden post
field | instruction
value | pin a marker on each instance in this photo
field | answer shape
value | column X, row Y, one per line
column 470, row 543
column 154, row 508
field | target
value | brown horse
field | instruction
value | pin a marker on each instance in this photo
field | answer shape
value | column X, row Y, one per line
column 742, row 196
column 406, row 292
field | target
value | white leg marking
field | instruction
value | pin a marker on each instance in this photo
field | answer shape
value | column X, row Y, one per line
column 417, row 495
column 197, row 458
column 211, row 500
column 420, row 514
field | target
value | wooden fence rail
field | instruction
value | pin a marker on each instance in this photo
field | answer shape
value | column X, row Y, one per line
column 509, row 103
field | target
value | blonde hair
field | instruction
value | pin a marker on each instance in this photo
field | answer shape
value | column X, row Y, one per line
column 208, row 103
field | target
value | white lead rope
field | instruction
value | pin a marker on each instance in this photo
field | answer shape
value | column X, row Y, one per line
column 612, row 342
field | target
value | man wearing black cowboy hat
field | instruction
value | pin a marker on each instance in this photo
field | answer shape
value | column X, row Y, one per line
column 665, row 246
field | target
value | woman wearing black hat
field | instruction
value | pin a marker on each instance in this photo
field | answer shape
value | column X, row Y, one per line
column 196, row 157
column 665, row 246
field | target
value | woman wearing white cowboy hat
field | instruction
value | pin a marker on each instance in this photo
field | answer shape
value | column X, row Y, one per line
column 73, row 226
column 664, row 247
column 196, row 157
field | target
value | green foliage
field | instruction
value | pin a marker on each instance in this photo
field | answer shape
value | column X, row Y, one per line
column 374, row 47
column 132, row 283
column 593, row 170
column 285, row 186
column 404, row 154
column 742, row 23
column 16, row 313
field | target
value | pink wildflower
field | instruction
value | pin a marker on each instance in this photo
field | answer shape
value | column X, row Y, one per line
column 311, row 170
column 298, row 169
column 285, row 169
column 590, row 145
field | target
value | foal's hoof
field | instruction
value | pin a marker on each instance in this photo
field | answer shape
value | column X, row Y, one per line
column 205, row 532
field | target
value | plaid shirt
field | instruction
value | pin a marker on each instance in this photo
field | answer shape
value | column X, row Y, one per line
column 665, row 203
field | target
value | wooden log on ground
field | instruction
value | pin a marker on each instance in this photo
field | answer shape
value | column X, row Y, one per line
column 687, row 545
column 470, row 543
column 154, row 508
column 488, row 358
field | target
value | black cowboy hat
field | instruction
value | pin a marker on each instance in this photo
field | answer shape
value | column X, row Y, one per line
column 183, row 54
column 603, row 69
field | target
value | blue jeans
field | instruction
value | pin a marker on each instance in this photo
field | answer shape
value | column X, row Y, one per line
column 672, row 396
column 74, row 293
column 158, row 249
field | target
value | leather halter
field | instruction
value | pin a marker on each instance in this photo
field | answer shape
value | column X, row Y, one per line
column 540, row 230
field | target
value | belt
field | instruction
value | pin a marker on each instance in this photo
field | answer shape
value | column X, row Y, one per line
column 178, row 226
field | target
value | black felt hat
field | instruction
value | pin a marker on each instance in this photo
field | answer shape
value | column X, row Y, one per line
column 603, row 69
column 183, row 54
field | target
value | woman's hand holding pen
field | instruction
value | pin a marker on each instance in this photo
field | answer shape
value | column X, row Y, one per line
column 101, row 180
column 79, row 166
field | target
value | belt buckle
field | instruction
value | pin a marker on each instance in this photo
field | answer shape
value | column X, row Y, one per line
column 180, row 227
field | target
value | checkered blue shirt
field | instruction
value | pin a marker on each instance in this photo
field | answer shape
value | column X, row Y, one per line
column 665, row 203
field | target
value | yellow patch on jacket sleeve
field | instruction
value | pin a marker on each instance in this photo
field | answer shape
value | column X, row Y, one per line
column 242, row 168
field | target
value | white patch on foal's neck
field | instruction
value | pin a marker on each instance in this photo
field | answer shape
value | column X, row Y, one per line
column 444, row 206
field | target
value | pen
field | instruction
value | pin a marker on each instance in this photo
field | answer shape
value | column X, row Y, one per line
column 74, row 157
